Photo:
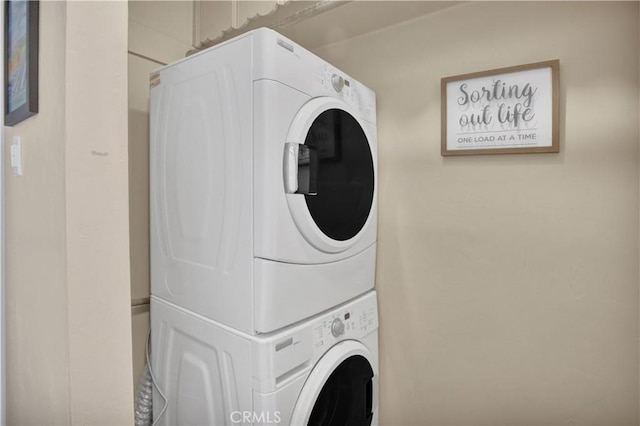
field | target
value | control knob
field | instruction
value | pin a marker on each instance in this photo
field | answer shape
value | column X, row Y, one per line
column 337, row 327
column 337, row 82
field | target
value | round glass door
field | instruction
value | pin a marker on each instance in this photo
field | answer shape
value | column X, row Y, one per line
column 347, row 396
column 345, row 175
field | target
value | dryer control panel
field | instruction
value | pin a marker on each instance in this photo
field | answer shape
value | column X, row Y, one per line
column 341, row 86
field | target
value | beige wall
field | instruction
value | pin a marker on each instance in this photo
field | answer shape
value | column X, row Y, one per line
column 37, row 330
column 67, row 283
column 508, row 284
column 97, row 213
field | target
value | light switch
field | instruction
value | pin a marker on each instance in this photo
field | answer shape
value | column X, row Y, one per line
column 16, row 156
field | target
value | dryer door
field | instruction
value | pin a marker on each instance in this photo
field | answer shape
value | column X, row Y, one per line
column 329, row 174
column 341, row 389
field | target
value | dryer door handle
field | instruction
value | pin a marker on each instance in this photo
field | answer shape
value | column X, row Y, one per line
column 300, row 169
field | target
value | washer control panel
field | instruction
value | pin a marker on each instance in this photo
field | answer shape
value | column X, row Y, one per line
column 354, row 320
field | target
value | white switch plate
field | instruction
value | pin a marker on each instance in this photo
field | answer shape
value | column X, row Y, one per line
column 16, row 156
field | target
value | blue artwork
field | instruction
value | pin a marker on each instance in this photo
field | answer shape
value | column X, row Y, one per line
column 17, row 58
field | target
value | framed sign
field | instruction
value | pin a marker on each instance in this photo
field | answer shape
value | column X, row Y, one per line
column 502, row 111
column 20, row 60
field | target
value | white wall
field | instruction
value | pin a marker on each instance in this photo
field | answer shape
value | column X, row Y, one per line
column 508, row 284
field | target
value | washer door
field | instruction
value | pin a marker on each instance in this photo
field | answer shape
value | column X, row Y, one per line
column 340, row 389
column 329, row 174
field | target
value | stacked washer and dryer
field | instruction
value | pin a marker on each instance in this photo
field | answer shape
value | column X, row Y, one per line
column 263, row 238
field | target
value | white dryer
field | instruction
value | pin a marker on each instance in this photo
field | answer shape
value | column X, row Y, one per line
column 263, row 196
column 323, row 371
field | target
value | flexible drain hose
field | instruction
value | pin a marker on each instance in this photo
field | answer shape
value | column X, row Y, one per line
column 143, row 403
column 144, row 400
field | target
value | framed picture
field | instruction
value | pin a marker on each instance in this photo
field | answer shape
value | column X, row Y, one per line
column 502, row 111
column 20, row 60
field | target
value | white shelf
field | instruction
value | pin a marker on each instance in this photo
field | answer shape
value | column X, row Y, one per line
column 313, row 24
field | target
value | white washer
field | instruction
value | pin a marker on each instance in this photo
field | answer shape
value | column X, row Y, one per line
column 263, row 184
column 323, row 371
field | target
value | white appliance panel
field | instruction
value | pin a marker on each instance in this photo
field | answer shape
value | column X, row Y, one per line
column 201, row 185
column 200, row 368
column 286, row 293
column 210, row 372
column 280, row 59
column 224, row 240
column 275, row 234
